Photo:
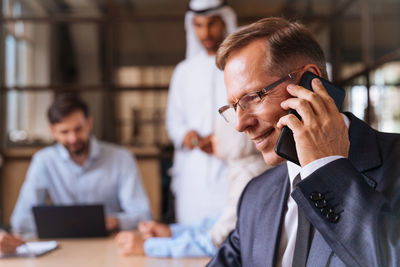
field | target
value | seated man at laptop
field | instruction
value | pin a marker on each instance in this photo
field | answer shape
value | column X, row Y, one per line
column 79, row 169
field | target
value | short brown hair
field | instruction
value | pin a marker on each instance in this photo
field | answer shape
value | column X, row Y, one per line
column 287, row 41
column 64, row 105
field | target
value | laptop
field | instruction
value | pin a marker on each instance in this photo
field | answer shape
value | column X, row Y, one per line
column 70, row 221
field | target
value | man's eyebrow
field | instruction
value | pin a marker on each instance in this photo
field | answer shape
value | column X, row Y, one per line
column 243, row 92
column 213, row 19
column 234, row 100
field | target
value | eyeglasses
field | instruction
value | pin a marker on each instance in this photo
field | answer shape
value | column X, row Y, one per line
column 249, row 102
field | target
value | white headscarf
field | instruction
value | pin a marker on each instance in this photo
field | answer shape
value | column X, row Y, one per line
column 206, row 8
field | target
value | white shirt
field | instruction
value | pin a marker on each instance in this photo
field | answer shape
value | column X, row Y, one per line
column 197, row 90
column 289, row 227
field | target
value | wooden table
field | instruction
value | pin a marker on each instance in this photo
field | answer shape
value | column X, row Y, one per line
column 96, row 252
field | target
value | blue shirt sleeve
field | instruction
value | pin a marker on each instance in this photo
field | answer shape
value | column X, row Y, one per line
column 188, row 241
column 177, row 229
column 132, row 196
column 33, row 192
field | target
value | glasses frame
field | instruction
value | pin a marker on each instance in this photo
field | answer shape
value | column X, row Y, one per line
column 261, row 93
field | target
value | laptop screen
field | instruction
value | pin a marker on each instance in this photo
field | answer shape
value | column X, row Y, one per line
column 70, row 221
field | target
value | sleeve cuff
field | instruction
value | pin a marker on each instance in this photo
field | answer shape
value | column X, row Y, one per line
column 177, row 229
column 316, row 164
column 157, row 247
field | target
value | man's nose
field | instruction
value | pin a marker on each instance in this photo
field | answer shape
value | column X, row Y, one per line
column 72, row 137
column 205, row 32
column 243, row 119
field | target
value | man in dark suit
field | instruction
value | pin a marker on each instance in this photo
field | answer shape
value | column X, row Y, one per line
column 345, row 211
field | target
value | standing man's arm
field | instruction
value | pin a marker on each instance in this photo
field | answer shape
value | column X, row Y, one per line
column 33, row 192
column 131, row 194
column 176, row 121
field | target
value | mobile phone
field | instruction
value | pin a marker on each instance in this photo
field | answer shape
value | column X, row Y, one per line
column 286, row 146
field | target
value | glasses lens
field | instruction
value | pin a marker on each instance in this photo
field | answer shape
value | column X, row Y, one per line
column 250, row 102
column 229, row 115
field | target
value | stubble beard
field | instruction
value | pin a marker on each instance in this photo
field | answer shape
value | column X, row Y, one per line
column 81, row 151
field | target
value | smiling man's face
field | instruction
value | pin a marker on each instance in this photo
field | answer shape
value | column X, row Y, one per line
column 245, row 73
column 210, row 30
column 73, row 132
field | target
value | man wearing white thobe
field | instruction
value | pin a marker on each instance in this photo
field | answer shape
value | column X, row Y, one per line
column 196, row 91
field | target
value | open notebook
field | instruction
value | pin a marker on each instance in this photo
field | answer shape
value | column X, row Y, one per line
column 32, row 249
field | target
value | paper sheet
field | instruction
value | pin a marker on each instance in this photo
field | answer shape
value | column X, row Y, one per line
column 32, row 249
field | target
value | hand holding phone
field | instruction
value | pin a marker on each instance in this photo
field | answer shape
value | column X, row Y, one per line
column 286, row 146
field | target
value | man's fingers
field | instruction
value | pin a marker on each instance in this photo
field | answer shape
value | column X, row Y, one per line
column 303, row 107
column 143, row 226
column 123, row 237
column 191, row 139
column 7, row 249
column 126, row 249
column 291, row 121
column 19, row 241
column 316, row 102
column 147, row 236
column 9, row 243
column 125, row 242
column 119, row 238
column 15, row 242
column 319, row 88
column 146, row 227
column 205, row 144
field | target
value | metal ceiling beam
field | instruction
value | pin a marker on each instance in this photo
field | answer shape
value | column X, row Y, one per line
column 337, row 12
column 174, row 18
column 342, row 8
column 390, row 57
column 78, row 88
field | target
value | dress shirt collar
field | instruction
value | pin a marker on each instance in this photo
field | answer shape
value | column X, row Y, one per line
column 94, row 148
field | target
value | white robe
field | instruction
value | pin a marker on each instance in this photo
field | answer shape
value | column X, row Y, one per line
column 244, row 162
column 196, row 92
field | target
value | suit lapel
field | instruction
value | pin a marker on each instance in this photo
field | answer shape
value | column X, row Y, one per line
column 270, row 218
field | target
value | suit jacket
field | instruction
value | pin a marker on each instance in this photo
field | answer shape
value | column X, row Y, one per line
column 357, row 221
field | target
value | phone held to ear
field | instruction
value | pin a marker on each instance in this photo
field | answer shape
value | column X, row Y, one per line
column 286, row 146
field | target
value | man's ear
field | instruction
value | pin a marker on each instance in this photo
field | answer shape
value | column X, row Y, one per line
column 52, row 129
column 90, row 123
column 313, row 68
